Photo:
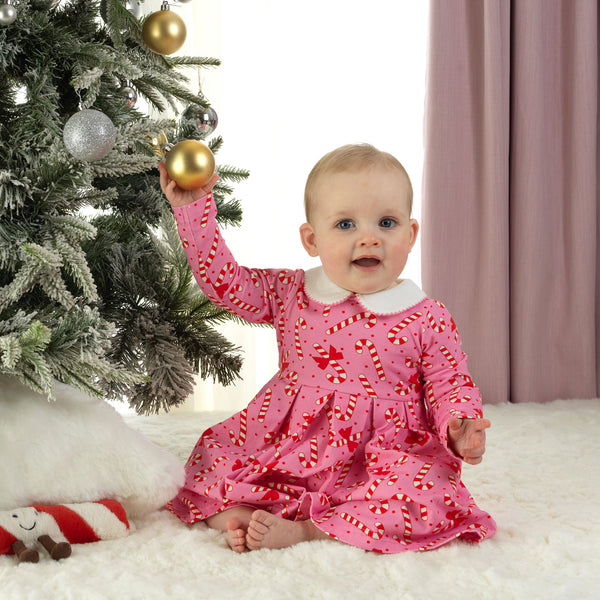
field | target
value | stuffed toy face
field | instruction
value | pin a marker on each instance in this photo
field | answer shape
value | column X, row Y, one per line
column 27, row 524
column 59, row 525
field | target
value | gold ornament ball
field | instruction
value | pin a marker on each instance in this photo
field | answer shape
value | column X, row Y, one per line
column 164, row 32
column 190, row 163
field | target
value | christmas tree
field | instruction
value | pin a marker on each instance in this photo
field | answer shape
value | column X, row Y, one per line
column 95, row 290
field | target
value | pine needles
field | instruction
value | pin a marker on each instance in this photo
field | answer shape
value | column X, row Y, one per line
column 95, row 290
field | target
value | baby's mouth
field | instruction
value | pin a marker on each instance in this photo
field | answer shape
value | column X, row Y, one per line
column 366, row 262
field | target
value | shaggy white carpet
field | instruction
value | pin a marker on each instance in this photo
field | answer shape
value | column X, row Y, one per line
column 540, row 480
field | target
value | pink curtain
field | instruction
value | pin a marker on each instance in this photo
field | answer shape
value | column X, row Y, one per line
column 511, row 219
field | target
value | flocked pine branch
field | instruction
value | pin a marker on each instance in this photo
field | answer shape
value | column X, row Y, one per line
column 94, row 288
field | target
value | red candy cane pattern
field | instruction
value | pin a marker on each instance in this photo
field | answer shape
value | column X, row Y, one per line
column 324, row 399
column 343, row 473
column 254, row 278
column 411, row 410
column 285, row 278
column 429, row 394
column 369, row 317
column 210, row 488
column 405, row 498
column 394, row 331
column 418, row 480
column 370, row 346
column 407, row 522
column 368, row 387
column 268, row 493
column 241, row 439
column 264, row 407
column 301, row 300
column 290, row 388
column 308, row 419
column 240, row 303
column 379, row 508
column 391, row 416
column 309, row 463
column 343, row 441
column 228, row 269
column 204, row 265
column 205, row 214
column 453, row 483
column 273, row 294
column 347, row 414
column 376, row 535
column 194, row 459
column 201, row 475
column 330, row 358
column 371, row 491
column 454, row 399
column 404, row 389
column 424, row 362
column 448, row 356
column 437, row 327
column 300, row 324
column 286, row 489
column 466, row 379
column 198, row 515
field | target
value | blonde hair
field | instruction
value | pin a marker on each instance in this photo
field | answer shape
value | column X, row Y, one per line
column 351, row 157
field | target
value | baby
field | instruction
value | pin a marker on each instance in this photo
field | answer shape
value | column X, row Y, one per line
column 361, row 433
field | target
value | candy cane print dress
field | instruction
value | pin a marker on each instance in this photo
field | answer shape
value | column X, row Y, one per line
column 351, row 431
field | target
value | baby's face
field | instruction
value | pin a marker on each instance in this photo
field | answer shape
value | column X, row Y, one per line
column 361, row 229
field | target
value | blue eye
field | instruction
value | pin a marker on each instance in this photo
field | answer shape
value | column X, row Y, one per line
column 345, row 224
column 387, row 223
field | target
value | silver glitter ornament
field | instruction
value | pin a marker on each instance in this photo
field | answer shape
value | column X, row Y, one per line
column 8, row 13
column 89, row 135
column 206, row 118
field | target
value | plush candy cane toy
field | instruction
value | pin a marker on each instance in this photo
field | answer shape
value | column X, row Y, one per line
column 58, row 526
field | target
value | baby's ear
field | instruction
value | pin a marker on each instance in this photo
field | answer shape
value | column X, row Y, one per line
column 414, row 232
column 307, row 235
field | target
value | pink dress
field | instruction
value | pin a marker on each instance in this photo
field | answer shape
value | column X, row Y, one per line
column 350, row 432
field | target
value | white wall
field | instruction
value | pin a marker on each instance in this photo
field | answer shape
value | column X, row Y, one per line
column 297, row 80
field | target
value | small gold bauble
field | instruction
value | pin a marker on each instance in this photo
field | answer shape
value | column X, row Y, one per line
column 190, row 163
column 164, row 32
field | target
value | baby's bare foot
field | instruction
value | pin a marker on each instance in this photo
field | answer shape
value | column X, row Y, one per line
column 236, row 535
column 234, row 522
column 269, row 531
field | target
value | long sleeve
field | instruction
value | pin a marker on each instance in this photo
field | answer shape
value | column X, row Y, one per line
column 448, row 386
column 256, row 295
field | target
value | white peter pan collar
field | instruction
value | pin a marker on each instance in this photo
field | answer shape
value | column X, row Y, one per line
column 401, row 297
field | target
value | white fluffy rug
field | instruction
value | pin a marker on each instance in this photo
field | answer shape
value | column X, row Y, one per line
column 540, row 480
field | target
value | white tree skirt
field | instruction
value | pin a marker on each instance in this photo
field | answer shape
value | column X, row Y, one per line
column 540, row 480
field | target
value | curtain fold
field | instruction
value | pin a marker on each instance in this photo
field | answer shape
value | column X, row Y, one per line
column 510, row 191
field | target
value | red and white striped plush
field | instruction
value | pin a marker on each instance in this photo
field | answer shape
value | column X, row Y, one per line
column 74, row 523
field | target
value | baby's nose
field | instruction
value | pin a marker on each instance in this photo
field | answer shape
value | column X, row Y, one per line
column 369, row 238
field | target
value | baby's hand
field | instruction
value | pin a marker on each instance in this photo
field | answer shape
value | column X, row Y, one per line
column 466, row 438
column 178, row 196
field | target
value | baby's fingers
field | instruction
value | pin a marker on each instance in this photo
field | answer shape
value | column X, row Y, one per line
column 164, row 178
column 475, row 447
